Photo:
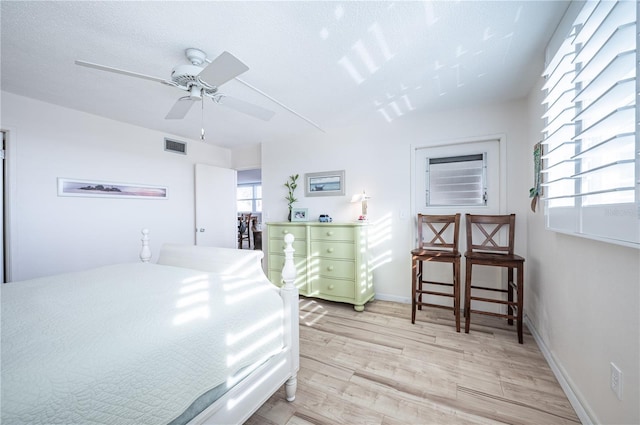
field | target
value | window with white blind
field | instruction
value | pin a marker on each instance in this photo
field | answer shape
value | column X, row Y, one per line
column 456, row 180
column 249, row 198
column 591, row 161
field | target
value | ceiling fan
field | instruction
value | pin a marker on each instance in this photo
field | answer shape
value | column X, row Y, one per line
column 199, row 82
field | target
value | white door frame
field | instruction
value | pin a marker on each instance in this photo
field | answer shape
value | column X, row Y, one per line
column 501, row 138
column 8, row 189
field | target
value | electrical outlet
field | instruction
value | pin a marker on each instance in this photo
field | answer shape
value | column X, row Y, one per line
column 616, row 381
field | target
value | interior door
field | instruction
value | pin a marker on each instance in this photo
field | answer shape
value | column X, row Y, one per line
column 216, row 216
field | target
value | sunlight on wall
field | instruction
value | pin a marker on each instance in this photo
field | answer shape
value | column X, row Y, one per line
column 379, row 233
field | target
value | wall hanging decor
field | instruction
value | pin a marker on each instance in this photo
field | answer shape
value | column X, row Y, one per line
column 328, row 183
column 101, row 189
column 536, row 191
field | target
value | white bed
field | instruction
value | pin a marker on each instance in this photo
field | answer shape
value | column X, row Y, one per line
column 201, row 336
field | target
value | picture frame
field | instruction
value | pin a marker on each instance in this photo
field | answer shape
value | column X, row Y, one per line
column 327, row 183
column 299, row 214
column 103, row 189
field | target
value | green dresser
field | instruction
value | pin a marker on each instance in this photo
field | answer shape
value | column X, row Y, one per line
column 332, row 260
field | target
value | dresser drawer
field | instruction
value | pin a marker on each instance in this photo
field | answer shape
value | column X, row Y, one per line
column 336, row 288
column 276, row 246
column 275, row 276
column 342, row 250
column 276, row 263
column 335, row 269
column 332, row 233
column 278, row 232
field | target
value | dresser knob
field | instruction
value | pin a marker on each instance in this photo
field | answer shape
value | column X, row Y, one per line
column 330, row 268
column 331, row 287
column 285, row 232
column 329, row 250
column 330, row 233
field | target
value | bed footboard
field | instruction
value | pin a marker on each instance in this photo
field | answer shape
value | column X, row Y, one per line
column 241, row 401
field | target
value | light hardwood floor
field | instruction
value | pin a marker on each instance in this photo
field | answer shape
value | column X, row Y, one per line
column 375, row 367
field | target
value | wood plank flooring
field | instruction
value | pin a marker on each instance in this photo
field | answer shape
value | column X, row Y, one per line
column 375, row 367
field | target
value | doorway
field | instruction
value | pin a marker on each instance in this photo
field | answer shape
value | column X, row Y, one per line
column 249, row 204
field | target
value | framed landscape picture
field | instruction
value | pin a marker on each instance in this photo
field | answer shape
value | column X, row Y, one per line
column 101, row 189
column 328, row 183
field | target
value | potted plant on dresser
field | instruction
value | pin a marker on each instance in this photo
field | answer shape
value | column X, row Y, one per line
column 291, row 186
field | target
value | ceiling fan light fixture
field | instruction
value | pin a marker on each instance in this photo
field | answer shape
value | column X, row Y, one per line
column 195, row 93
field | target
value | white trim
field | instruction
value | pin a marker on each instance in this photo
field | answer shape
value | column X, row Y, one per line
column 502, row 143
column 11, row 244
column 561, row 376
column 394, row 298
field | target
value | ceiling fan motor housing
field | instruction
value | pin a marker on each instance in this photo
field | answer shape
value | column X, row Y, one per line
column 186, row 76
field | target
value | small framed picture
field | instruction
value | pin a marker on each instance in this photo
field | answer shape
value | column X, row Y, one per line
column 328, row 183
column 299, row 214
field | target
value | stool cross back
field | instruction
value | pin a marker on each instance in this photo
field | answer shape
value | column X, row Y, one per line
column 437, row 242
column 490, row 251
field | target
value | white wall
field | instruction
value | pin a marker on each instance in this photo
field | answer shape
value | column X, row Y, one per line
column 51, row 234
column 583, row 299
column 246, row 157
column 376, row 156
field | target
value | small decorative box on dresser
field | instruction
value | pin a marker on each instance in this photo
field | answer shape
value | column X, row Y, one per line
column 332, row 260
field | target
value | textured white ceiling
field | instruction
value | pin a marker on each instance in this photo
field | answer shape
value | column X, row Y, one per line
column 333, row 62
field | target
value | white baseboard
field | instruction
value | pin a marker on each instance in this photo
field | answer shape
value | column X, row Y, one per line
column 558, row 371
column 395, row 298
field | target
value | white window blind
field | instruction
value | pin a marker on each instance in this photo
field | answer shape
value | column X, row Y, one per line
column 591, row 161
column 456, row 180
column 249, row 198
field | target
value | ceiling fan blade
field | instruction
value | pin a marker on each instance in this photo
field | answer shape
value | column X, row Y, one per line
column 180, row 108
column 222, row 69
column 246, row 107
column 123, row 72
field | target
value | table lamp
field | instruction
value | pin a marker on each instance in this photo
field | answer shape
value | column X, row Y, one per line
column 361, row 197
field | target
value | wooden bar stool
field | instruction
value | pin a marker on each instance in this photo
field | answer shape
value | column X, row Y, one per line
column 437, row 242
column 492, row 252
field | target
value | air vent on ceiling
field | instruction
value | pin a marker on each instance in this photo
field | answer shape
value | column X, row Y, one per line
column 175, row 146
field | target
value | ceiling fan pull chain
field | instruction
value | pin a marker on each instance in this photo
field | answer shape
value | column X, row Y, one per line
column 202, row 131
